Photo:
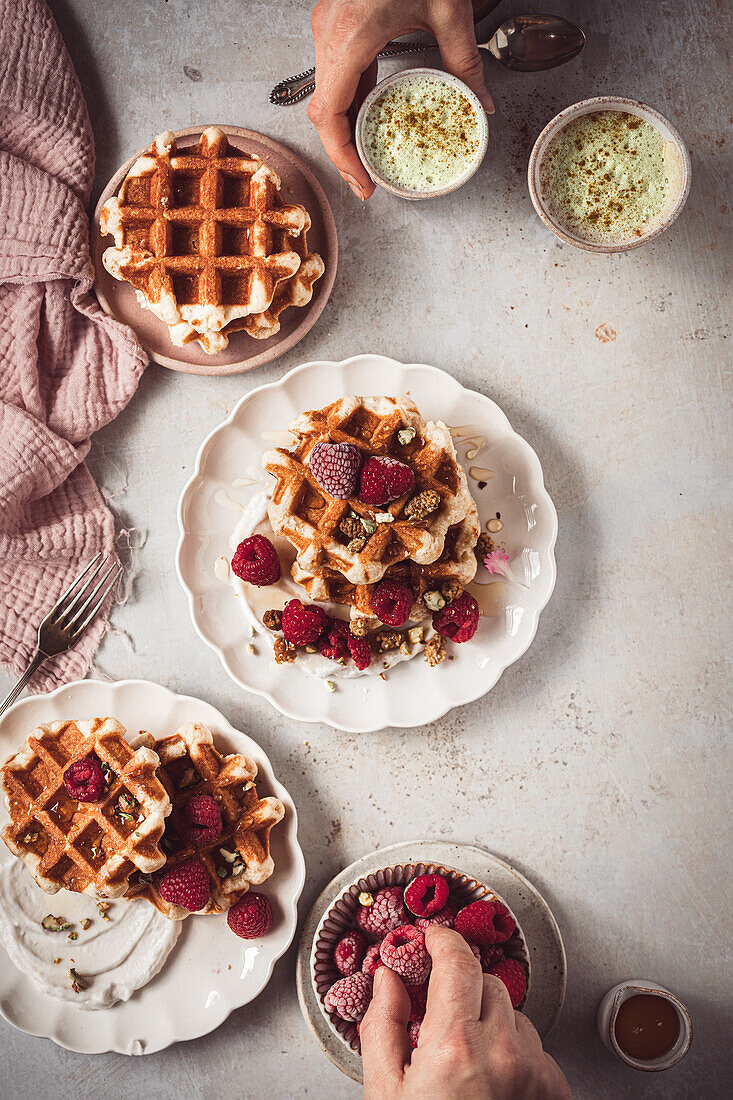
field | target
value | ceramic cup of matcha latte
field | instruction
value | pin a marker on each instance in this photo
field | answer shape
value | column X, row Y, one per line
column 421, row 133
column 609, row 174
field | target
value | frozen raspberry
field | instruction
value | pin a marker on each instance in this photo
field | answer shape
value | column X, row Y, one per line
column 250, row 917
column 386, row 913
column 418, row 995
column 201, row 820
column 360, row 650
column 413, row 1032
column 349, row 997
column 512, row 974
column 446, row 918
column 333, row 642
column 384, row 479
column 302, row 624
column 335, row 466
column 426, row 895
column 491, row 954
column 404, row 951
column 458, row 620
column 84, row 780
column 186, row 885
column 255, row 560
column 485, row 922
column 392, row 602
column 372, row 960
column 476, row 950
column 349, row 953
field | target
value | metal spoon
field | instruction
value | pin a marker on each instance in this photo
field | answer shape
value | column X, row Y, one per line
column 525, row 43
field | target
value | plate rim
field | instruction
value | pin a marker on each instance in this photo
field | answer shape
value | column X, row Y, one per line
column 313, row 310
column 295, row 850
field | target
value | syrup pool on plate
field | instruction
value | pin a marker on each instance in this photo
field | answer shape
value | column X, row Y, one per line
column 646, row 1027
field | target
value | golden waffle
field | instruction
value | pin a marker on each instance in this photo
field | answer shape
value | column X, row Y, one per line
column 88, row 847
column 457, row 564
column 310, row 519
column 203, row 236
column 295, row 291
column 191, row 765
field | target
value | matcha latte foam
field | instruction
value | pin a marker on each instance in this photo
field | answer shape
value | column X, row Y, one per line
column 606, row 176
column 422, row 134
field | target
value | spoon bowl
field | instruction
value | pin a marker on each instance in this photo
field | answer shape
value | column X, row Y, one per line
column 531, row 43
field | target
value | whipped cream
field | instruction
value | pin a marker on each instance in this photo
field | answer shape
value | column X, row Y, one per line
column 112, row 957
column 255, row 601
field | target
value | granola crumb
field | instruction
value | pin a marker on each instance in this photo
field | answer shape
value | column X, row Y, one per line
column 352, row 527
column 359, row 627
column 435, row 650
column 284, row 654
column 311, row 648
column 388, row 639
column 451, row 590
column 484, row 546
column 365, row 898
column 422, row 505
column 273, row 619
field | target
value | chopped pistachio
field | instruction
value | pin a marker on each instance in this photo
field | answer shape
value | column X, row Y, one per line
column 405, row 435
column 30, row 838
column 77, row 982
column 405, row 649
column 86, row 923
column 384, row 517
column 72, row 936
column 250, row 649
column 310, row 648
column 368, row 524
column 221, row 872
column 102, row 907
column 57, row 960
column 365, row 898
column 55, row 924
column 237, row 868
column 433, row 600
column 227, row 855
column 415, row 634
column 330, row 685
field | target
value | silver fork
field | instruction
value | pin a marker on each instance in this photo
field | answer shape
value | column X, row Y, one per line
column 68, row 618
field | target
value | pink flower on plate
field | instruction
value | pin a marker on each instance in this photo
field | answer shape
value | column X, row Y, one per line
column 497, row 562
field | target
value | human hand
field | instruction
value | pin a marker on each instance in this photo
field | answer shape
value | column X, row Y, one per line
column 348, row 35
column 472, row 1043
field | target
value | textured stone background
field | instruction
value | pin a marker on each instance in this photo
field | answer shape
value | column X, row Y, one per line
column 598, row 763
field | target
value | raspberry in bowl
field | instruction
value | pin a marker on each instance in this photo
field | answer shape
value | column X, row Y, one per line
column 380, row 920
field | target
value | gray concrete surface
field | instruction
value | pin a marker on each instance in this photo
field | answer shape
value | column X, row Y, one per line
column 599, row 762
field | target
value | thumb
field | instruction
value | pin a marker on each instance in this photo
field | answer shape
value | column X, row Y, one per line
column 385, row 1047
column 461, row 56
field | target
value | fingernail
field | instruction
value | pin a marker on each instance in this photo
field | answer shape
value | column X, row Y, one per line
column 354, row 185
column 486, row 101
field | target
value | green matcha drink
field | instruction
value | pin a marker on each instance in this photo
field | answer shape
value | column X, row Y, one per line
column 606, row 176
column 422, row 134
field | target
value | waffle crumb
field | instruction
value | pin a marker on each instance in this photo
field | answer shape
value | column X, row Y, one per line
column 359, row 627
column 422, row 505
column 451, row 590
column 435, row 650
column 484, row 546
column 284, row 654
column 388, row 639
column 273, row 619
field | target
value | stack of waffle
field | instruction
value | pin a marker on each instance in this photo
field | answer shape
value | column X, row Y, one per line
column 425, row 553
column 207, row 242
column 121, row 844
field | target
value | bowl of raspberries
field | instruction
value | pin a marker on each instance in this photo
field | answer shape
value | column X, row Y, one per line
column 381, row 919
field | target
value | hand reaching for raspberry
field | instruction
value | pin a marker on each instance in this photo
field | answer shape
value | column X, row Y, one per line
column 471, row 1042
column 348, row 35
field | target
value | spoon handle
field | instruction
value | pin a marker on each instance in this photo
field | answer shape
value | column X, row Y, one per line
column 294, row 88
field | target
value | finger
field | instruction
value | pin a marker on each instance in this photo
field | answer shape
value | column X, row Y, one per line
column 526, row 1031
column 496, row 1005
column 385, row 1047
column 461, row 56
column 455, row 988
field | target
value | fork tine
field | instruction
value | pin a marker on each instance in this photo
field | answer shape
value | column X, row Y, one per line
column 90, row 596
column 83, row 625
column 63, row 618
column 73, row 585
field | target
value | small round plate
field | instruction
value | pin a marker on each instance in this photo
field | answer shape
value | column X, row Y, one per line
column 210, row 972
column 505, row 477
column 243, row 353
column 539, row 927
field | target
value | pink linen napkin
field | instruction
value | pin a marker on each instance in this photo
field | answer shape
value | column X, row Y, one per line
column 66, row 369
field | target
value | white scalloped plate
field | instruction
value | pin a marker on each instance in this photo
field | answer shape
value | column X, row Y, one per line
column 413, row 693
column 194, row 992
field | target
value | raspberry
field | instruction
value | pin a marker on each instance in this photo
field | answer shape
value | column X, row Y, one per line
column 255, row 560
column 335, row 466
column 476, row 950
column 418, row 995
column 84, row 780
column 334, row 640
column 349, row 997
column 360, row 650
column 413, row 1032
column 349, row 953
column 490, row 955
column 186, row 885
column 385, row 914
column 384, row 479
column 458, row 620
column 392, row 602
column 404, row 951
column 372, row 960
column 485, row 922
column 426, row 895
column 512, row 974
column 446, row 917
column 250, row 917
column 201, row 820
column 302, row 624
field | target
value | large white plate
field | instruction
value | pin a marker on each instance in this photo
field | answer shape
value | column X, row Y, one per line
column 194, row 992
column 413, row 693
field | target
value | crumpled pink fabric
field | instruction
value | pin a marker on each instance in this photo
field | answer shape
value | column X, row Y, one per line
column 66, row 369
